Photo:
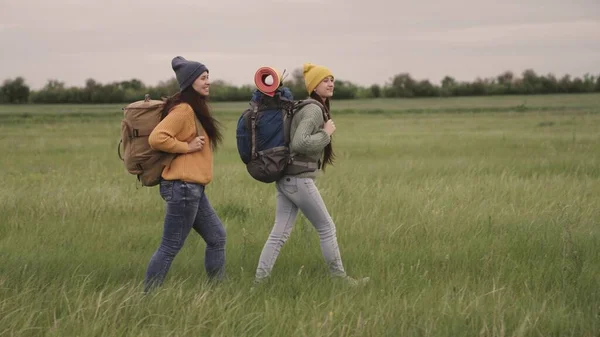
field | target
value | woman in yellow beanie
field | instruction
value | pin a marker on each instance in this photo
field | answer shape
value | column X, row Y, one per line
column 310, row 136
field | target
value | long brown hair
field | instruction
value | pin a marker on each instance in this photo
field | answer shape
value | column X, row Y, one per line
column 328, row 155
column 201, row 110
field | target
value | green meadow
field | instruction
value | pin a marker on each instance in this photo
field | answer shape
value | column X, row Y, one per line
column 472, row 217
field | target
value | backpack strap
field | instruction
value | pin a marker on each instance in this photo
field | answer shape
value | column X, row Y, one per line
column 199, row 128
column 119, row 150
column 313, row 165
column 299, row 164
column 142, row 132
column 297, row 105
column 287, row 122
column 253, row 115
column 200, row 131
column 302, row 103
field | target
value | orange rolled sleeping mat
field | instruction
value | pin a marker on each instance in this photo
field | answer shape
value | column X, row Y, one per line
column 261, row 76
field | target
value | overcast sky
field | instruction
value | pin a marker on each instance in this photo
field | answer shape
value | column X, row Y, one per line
column 365, row 41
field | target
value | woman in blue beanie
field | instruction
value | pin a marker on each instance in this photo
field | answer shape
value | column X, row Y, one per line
column 185, row 116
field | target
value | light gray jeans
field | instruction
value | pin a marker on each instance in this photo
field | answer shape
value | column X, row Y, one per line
column 295, row 193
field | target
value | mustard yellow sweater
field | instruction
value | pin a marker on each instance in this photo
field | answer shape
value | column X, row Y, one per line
column 172, row 135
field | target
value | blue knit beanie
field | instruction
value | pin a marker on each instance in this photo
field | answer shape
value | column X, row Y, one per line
column 186, row 71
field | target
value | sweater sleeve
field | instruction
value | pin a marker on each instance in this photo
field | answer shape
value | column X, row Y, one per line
column 164, row 135
column 304, row 140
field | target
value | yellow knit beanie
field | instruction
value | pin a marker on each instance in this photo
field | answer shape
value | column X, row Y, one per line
column 313, row 75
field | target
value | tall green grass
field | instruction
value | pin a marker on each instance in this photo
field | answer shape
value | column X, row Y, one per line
column 468, row 224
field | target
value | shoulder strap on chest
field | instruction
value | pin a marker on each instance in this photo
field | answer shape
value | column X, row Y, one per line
column 302, row 103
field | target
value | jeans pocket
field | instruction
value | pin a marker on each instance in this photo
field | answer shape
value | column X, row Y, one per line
column 194, row 191
column 166, row 190
column 289, row 185
column 310, row 186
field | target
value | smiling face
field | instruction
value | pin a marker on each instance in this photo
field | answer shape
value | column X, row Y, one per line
column 325, row 88
column 202, row 84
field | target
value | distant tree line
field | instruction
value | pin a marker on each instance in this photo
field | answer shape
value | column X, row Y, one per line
column 401, row 85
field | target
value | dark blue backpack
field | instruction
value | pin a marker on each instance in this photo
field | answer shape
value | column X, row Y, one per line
column 263, row 136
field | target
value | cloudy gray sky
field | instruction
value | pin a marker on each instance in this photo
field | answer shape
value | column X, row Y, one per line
column 362, row 41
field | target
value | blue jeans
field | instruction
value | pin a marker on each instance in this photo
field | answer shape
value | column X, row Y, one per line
column 187, row 208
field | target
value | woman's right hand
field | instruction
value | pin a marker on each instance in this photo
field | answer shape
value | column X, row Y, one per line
column 329, row 127
column 197, row 144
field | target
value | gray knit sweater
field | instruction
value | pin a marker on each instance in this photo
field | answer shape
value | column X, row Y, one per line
column 307, row 135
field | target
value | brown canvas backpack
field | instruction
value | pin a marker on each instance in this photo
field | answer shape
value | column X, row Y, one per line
column 139, row 119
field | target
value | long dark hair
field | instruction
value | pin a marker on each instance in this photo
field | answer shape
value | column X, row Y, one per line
column 328, row 155
column 201, row 110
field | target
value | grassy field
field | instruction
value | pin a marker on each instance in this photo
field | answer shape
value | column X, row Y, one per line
column 471, row 216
